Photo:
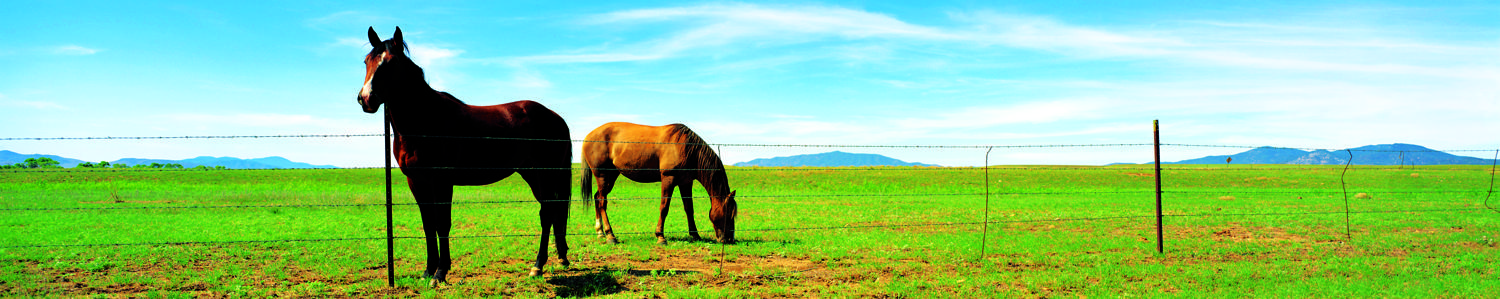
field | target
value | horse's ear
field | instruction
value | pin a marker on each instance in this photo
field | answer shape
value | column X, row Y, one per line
column 396, row 39
column 374, row 38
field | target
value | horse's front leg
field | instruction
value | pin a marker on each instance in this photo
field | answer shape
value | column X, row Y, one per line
column 434, row 201
column 666, row 205
column 686, row 191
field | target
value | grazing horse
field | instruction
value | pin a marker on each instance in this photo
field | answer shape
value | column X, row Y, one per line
column 670, row 154
column 442, row 142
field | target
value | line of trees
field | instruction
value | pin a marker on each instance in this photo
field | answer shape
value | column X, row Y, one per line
column 48, row 163
column 34, row 163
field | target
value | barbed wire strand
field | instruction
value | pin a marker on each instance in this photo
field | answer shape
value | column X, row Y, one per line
column 1323, row 213
column 740, row 230
column 187, row 243
column 1272, row 167
column 715, row 144
column 870, row 195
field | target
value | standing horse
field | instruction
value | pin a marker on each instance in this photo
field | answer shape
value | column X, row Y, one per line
column 442, row 142
column 670, row 154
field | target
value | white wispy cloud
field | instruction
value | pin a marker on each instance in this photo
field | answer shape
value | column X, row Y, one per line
column 351, row 19
column 437, row 63
column 529, row 79
column 1029, row 112
column 265, row 120
column 720, row 25
column 74, row 50
column 714, row 29
column 41, row 105
column 429, row 55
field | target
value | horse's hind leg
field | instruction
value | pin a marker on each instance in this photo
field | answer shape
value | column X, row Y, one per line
column 606, row 181
column 686, row 191
column 553, row 218
column 551, row 190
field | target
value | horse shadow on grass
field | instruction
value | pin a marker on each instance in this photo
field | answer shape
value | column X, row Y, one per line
column 737, row 241
column 592, row 283
column 599, row 282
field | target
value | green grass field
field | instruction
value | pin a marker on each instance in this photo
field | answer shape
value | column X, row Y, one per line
column 1246, row 231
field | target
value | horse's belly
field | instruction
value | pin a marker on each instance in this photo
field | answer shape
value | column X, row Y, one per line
column 642, row 176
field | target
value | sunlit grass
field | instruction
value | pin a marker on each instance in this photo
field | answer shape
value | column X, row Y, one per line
column 1244, row 231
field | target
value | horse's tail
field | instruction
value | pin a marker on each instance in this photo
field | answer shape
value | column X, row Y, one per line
column 586, row 184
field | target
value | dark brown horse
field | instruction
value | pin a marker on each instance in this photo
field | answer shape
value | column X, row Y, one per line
column 670, row 154
column 442, row 142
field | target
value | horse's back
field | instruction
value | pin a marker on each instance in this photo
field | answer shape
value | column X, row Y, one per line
column 628, row 146
column 522, row 134
column 520, row 119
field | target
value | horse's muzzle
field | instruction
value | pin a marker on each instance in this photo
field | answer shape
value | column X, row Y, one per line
column 364, row 103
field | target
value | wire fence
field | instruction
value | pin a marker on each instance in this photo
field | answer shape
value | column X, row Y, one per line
column 987, row 192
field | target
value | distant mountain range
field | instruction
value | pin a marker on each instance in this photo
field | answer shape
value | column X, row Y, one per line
column 830, row 159
column 1381, row 154
column 9, row 157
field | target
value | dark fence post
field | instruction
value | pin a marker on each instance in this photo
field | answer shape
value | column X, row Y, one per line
column 1492, row 182
column 390, row 235
column 1156, row 145
column 1348, row 233
column 721, row 242
column 984, row 237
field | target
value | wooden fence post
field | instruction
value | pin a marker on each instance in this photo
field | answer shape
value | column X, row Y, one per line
column 1156, row 145
column 390, row 235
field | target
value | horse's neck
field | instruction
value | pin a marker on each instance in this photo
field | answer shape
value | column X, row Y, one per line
column 421, row 112
column 714, row 180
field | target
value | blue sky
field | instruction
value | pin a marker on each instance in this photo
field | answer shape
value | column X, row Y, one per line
column 1295, row 73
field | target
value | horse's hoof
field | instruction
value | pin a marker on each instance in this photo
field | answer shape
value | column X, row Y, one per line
column 661, row 241
column 439, row 277
column 535, row 272
column 611, row 240
column 565, row 263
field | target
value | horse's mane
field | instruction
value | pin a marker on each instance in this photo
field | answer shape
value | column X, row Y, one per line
column 694, row 145
column 405, row 50
column 420, row 75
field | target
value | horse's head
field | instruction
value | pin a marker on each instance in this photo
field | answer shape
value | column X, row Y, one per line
column 723, row 218
column 392, row 55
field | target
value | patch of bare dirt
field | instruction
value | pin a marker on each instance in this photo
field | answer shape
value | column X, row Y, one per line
column 125, row 201
column 1239, row 233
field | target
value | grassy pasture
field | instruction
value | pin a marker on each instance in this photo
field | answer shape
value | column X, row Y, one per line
column 1246, row 230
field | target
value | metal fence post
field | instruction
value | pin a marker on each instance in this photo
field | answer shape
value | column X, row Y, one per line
column 721, row 242
column 1348, row 233
column 1156, row 145
column 1492, row 181
column 984, row 238
column 390, row 235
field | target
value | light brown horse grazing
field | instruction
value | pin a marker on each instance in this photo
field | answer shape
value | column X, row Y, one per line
column 670, row 154
column 441, row 142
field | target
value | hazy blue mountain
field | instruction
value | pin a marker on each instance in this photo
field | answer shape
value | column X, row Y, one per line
column 1260, row 155
column 1408, row 154
column 830, row 159
column 8, row 157
column 1380, row 154
column 228, row 162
